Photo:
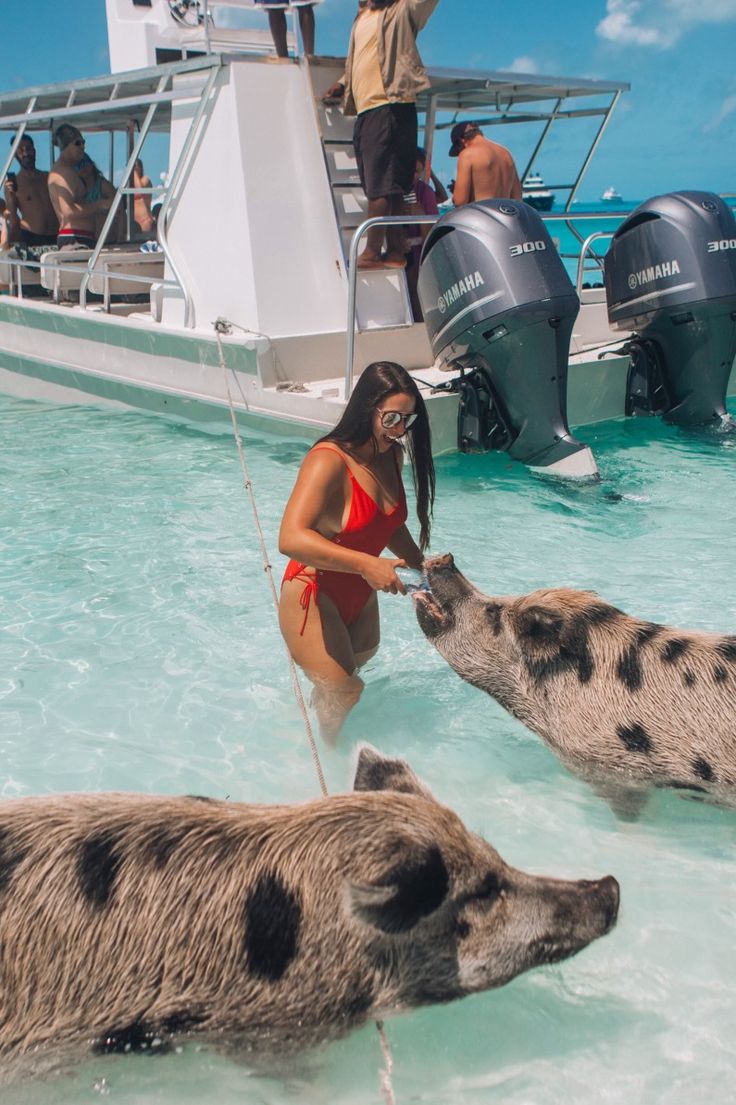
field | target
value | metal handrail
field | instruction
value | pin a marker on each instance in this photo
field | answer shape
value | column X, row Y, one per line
column 173, row 183
column 388, row 220
column 117, row 198
column 583, row 252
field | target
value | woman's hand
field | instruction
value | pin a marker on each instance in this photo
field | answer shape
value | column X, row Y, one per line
column 380, row 573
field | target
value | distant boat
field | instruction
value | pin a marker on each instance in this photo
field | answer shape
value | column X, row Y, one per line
column 611, row 196
column 536, row 194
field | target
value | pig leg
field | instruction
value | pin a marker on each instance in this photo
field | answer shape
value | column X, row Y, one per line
column 627, row 803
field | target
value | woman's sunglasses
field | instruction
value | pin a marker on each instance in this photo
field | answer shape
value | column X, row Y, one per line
column 389, row 419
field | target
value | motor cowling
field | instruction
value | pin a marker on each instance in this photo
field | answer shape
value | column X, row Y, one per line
column 499, row 305
column 670, row 276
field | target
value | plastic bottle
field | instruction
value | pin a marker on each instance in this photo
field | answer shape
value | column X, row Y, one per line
column 412, row 579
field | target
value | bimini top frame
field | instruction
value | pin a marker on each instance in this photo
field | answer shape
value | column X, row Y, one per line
column 502, row 98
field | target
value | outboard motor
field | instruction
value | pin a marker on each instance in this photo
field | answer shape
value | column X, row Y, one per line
column 670, row 277
column 499, row 305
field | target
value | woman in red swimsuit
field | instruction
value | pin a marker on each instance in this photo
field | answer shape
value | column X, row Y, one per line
column 347, row 506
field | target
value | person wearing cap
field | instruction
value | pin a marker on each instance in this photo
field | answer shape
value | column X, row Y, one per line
column 383, row 76
column 67, row 191
column 485, row 169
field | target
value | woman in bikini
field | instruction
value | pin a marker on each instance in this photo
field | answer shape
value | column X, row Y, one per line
column 347, row 506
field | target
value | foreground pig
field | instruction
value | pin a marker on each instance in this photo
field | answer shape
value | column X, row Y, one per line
column 125, row 918
column 625, row 703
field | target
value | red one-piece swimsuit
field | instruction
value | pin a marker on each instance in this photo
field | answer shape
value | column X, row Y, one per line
column 369, row 530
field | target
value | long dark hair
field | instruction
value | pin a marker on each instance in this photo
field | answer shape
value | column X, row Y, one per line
column 377, row 382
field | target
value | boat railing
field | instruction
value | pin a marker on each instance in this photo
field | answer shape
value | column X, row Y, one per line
column 571, row 220
column 171, row 190
column 111, row 103
column 216, row 35
column 590, row 257
column 353, row 270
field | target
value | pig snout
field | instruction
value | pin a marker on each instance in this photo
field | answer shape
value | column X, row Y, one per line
column 606, row 893
column 435, row 608
column 581, row 912
column 600, row 897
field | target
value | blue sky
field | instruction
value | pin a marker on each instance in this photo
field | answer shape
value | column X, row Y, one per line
column 676, row 128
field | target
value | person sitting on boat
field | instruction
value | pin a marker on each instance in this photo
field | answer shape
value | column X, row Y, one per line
column 67, row 190
column 347, row 506
column 4, row 241
column 383, row 76
column 98, row 187
column 485, row 169
column 31, row 218
column 145, row 224
column 277, row 10
column 423, row 200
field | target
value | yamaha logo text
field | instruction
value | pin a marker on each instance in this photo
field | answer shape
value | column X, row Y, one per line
column 654, row 272
column 466, row 284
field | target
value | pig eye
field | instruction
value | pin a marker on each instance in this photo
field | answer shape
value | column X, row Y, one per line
column 489, row 889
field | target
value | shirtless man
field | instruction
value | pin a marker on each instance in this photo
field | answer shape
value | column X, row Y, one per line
column 31, row 218
column 67, row 190
column 485, row 170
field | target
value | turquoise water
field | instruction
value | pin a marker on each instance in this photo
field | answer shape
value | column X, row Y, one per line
column 139, row 651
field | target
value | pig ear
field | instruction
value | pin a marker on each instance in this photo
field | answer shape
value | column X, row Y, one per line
column 409, row 891
column 377, row 772
column 538, row 628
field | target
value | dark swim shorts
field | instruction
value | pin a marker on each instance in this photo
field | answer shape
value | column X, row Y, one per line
column 29, row 238
column 385, row 141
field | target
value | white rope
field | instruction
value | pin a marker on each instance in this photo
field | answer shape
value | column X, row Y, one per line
column 222, row 326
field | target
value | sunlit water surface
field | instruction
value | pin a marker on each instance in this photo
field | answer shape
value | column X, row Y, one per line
column 139, row 651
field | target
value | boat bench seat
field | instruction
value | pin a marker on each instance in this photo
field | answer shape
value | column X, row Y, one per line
column 64, row 270
column 14, row 270
column 111, row 271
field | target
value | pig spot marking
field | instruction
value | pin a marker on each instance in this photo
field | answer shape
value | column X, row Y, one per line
column 628, row 669
column 688, row 678
column 634, row 737
column 272, row 920
column 98, row 863
column 703, row 770
column 674, row 649
column 720, row 675
column 9, row 859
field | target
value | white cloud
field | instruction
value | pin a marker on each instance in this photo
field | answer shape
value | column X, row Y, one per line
column 523, row 64
column 659, row 23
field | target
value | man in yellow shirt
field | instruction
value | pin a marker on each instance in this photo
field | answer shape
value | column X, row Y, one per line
column 383, row 76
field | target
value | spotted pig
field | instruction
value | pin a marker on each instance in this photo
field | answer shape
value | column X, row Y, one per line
column 125, row 918
column 626, row 703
